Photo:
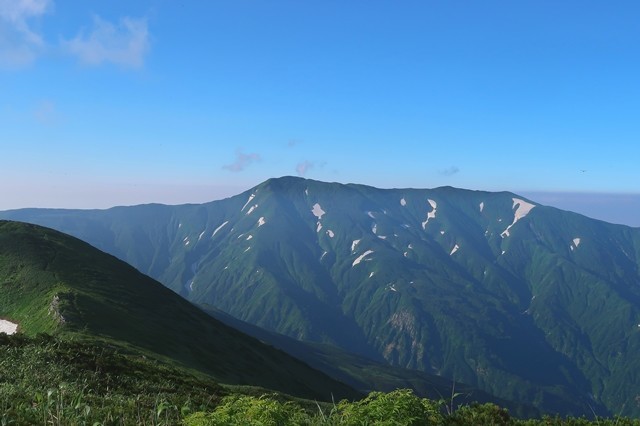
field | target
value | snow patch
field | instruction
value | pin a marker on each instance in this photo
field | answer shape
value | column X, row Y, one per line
column 431, row 214
column 503, row 252
column 406, row 254
column 306, row 191
column 523, row 208
column 455, row 249
column 247, row 249
column 251, row 197
column 403, row 202
column 179, row 225
column 382, row 237
column 576, row 242
column 255, row 206
column 8, row 327
column 201, row 234
column 354, row 244
column 261, row 221
column 317, row 211
column 373, row 273
column 410, row 246
column 371, row 215
column 249, row 237
column 323, row 255
column 330, row 233
column 392, row 287
column 374, row 228
column 481, row 206
column 361, row 257
column 319, row 227
column 441, row 232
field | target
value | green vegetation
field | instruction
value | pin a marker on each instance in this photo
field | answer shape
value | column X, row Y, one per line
column 50, row 381
column 46, row 380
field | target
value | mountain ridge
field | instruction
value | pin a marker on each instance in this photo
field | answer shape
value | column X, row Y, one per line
column 489, row 288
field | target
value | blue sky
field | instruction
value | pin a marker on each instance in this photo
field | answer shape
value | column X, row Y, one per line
column 121, row 102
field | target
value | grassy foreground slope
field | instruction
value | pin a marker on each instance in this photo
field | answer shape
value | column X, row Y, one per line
column 51, row 282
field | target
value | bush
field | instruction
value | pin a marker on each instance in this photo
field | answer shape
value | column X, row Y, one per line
column 400, row 407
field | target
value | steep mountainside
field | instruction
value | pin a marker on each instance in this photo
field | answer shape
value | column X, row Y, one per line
column 524, row 301
column 51, row 282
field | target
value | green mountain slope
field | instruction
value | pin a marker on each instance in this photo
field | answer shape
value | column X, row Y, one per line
column 50, row 282
column 523, row 301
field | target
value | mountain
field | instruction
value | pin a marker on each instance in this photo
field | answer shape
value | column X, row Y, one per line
column 523, row 301
column 51, row 282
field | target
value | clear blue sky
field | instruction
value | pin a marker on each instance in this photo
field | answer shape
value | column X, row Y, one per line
column 126, row 102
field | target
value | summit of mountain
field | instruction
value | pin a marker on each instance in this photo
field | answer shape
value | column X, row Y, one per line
column 524, row 301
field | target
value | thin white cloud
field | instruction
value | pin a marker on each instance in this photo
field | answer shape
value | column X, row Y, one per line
column 125, row 43
column 242, row 161
column 19, row 42
column 303, row 167
column 45, row 113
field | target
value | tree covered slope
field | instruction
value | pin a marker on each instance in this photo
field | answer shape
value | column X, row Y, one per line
column 526, row 302
column 51, row 282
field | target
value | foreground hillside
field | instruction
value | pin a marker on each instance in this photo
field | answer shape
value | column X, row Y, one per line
column 526, row 302
column 46, row 380
column 50, row 282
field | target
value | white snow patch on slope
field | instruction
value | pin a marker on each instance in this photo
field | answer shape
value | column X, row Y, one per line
column 319, row 227
column 330, row 233
column 481, row 206
column 201, row 234
column 218, row 228
column 354, row 244
column 382, row 237
column 251, row 197
column 455, row 249
column 410, row 246
column 255, row 206
column 523, row 208
column 441, row 232
column 361, row 257
column 317, row 211
column 403, row 202
column 8, row 327
column 323, row 255
column 248, row 248
column 373, row 273
column 431, row 214
column 374, row 228
column 179, row 225
column 406, row 254
column 576, row 243
column 371, row 215
column 261, row 221
column 249, row 237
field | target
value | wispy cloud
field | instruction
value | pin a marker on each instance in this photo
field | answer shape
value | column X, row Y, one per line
column 242, row 161
column 125, row 43
column 19, row 42
column 449, row 171
column 305, row 166
column 292, row 142
column 45, row 113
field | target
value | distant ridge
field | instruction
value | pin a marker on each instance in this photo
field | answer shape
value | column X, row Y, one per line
column 524, row 301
